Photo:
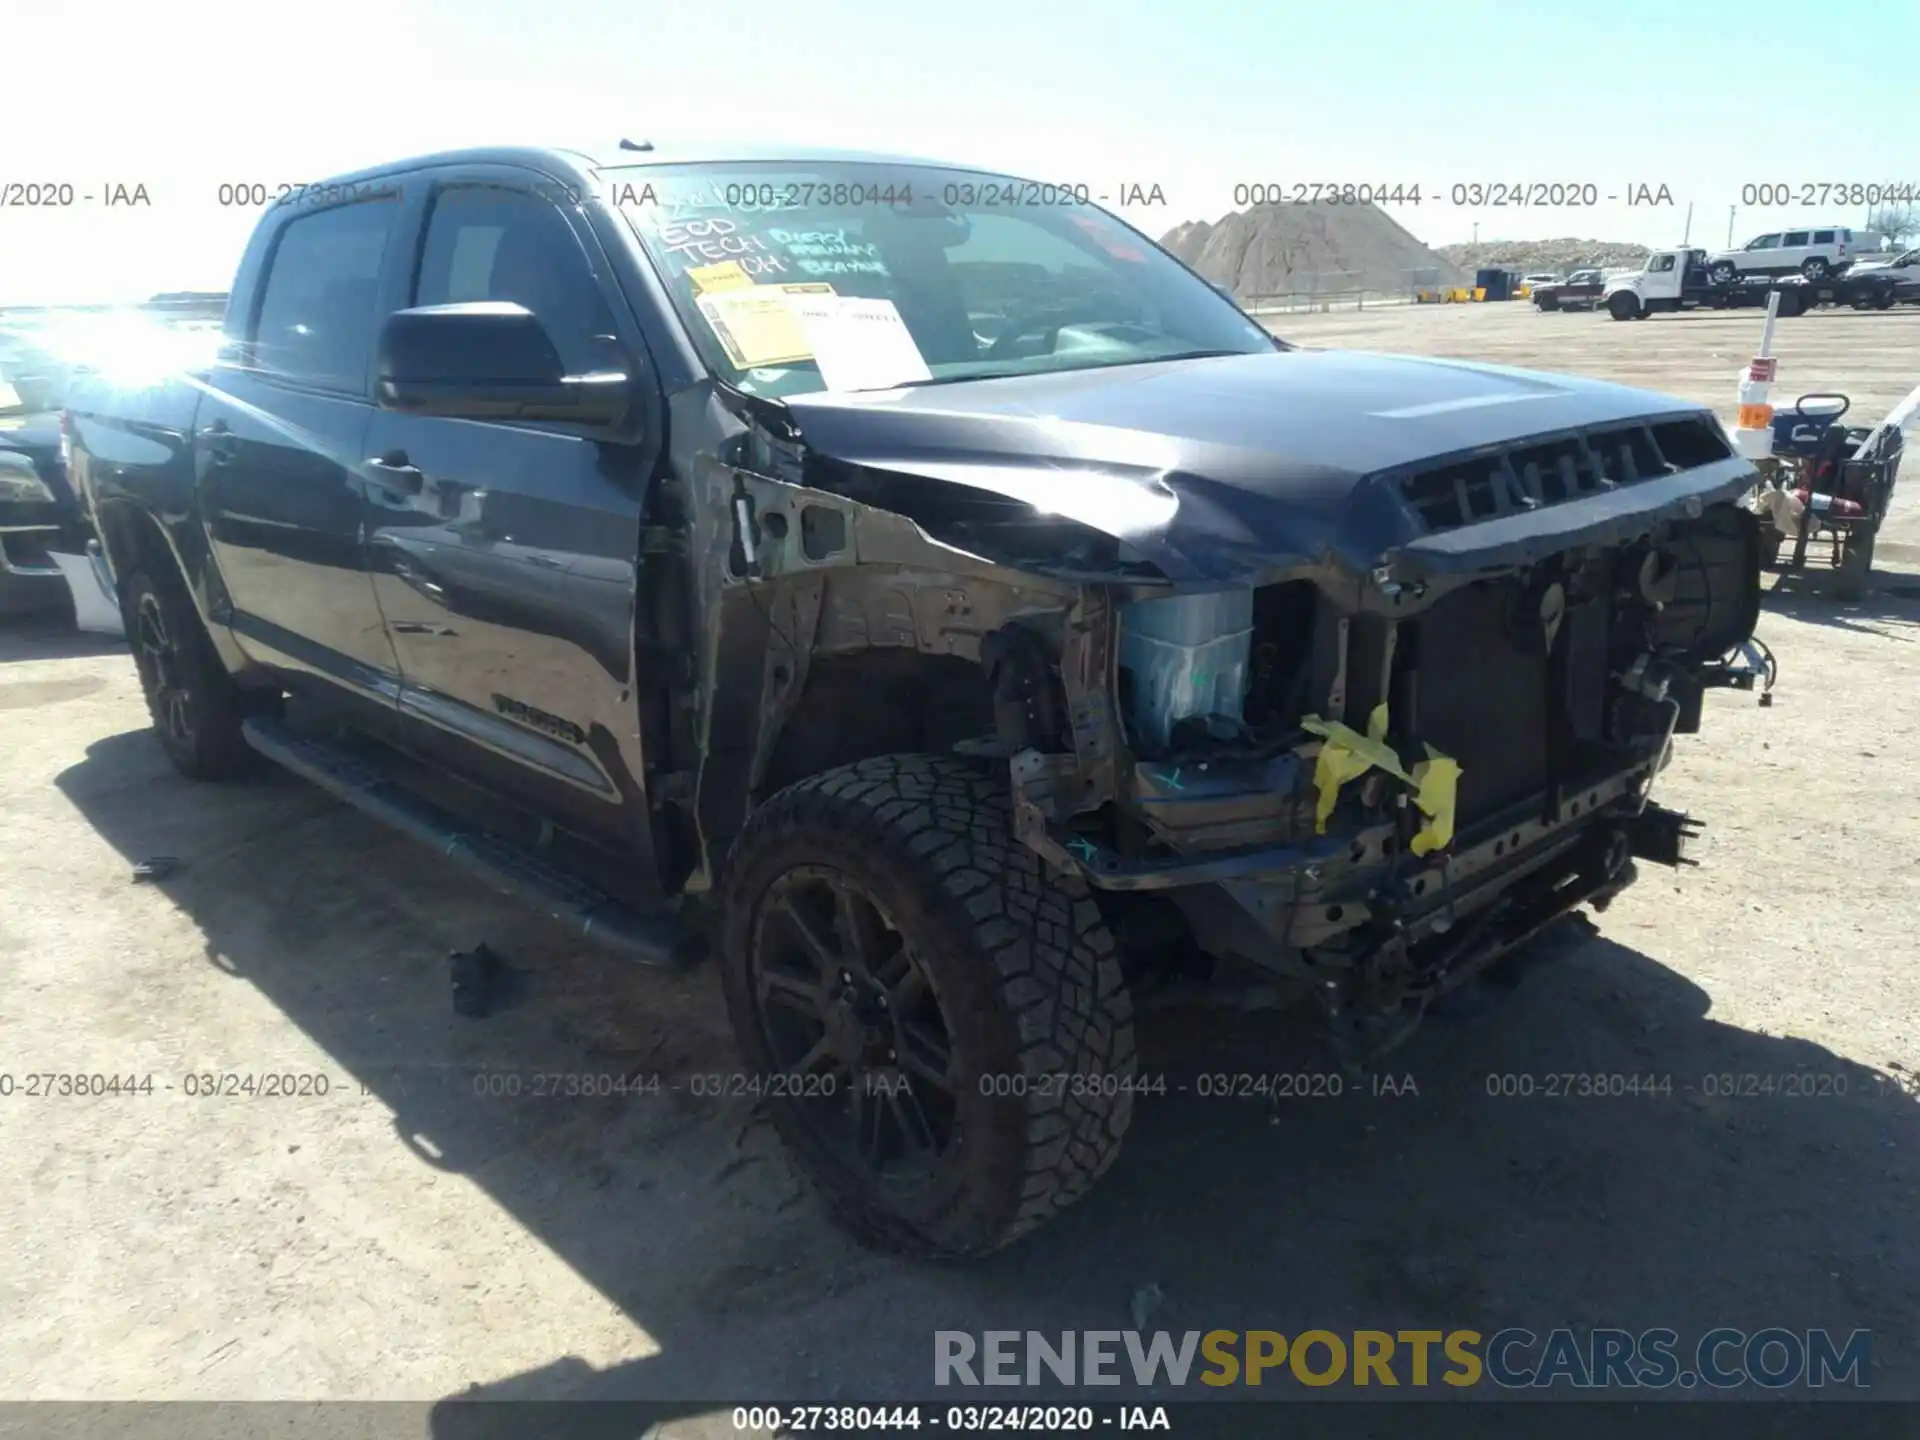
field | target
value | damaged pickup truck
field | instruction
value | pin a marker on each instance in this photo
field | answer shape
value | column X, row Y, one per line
column 922, row 587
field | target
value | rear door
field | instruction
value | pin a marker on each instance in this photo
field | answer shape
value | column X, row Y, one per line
column 506, row 571
column 279, row 440
column 1795, row 247
column 1761, row 254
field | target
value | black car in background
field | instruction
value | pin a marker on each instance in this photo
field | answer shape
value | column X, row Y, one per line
column 39, row 512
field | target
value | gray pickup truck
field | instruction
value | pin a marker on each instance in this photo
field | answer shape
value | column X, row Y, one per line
column 924, row 587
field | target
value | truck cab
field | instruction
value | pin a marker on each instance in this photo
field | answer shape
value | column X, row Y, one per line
column 1659, row 284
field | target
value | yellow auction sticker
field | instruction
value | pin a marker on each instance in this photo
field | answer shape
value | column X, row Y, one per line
column 755, row 326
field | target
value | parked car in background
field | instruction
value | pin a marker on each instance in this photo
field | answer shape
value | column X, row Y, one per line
column 1880, row 284
column 39, row 512
column 45, row 354
column 1815, row 253
column 1579, row 291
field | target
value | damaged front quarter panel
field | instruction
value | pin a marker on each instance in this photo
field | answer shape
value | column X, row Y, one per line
column 1463, row 669
column 790, row 577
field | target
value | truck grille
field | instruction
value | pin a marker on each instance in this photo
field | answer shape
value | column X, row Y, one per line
column 1529, row 474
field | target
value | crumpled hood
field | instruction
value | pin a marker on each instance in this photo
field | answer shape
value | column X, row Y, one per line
column 1213, row 467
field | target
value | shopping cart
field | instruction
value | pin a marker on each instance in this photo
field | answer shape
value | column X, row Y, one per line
column 1828, row 485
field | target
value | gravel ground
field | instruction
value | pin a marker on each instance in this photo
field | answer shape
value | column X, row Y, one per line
column 409, row 1234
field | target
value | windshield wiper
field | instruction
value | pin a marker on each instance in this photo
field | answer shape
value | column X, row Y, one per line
column 957, row 379
column 1074, row 369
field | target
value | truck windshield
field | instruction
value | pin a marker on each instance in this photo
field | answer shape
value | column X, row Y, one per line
column 797, row 277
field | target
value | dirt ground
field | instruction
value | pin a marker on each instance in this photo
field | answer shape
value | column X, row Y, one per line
column 410, row 1233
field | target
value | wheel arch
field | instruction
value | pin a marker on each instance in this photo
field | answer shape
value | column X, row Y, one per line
column 823, row 669
column 860, row 704
column 133, row 539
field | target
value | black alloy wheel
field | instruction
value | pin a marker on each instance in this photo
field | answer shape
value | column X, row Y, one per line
column 853, row 1024
column 937, row 1019
column 196, row 708
column 161, row 666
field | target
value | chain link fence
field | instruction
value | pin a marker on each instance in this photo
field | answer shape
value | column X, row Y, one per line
column 1342, row 290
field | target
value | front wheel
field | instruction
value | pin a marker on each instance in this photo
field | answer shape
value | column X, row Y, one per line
column 939, row 1024
column 195, row 705
column 1623, row 306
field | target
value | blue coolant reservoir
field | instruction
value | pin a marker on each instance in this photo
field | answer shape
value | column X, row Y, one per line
column 1188, row 656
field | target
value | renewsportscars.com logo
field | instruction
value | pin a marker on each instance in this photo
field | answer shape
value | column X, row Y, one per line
column 1598, row 1359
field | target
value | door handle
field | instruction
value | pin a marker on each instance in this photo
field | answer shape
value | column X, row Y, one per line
column 218, row 442
column 393, row 471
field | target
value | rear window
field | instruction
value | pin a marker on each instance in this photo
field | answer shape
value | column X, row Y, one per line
column 1823, row 237
column 319, row 310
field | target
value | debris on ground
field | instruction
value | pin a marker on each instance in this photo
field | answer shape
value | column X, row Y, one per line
column 476, row 976
column 155, row 867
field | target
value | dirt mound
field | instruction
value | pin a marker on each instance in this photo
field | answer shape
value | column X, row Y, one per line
column 1285, row 249
column 1560, row 256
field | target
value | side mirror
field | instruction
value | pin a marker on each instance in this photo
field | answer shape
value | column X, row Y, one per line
column 487, row 360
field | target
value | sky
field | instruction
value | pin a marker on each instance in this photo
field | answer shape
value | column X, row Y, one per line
column 1196, row 97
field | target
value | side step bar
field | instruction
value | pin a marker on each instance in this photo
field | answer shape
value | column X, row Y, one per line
column 581, row 907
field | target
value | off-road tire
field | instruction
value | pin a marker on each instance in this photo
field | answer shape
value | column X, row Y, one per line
column 1622, row 306
column 1853, row 578
column 1023, row 967
column 196, row 708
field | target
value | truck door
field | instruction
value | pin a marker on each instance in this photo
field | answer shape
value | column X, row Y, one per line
column 279, row 432
column 505, row 558
column 1662, row 278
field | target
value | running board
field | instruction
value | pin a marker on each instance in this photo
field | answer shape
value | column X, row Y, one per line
column 581, row 907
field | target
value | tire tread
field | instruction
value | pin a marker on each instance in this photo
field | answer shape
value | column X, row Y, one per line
column 1054, row 965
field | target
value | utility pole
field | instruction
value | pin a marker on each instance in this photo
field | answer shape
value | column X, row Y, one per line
column 1730, row 227
column 1689, row 235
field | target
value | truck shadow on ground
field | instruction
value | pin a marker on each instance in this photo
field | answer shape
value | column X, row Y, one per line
column 1753, row 1181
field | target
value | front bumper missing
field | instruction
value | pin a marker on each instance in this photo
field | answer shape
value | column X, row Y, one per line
column 1309, row 893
